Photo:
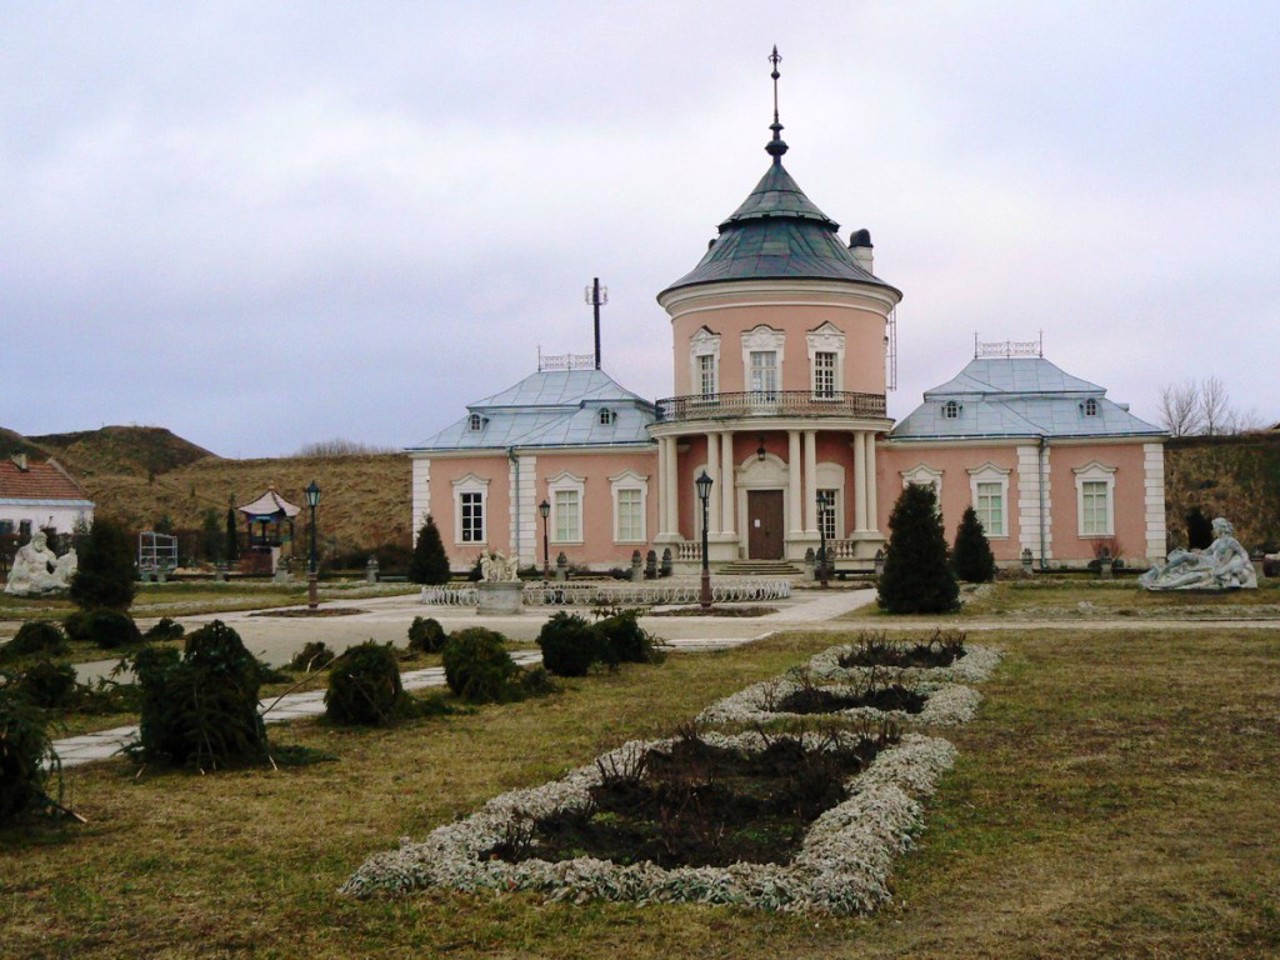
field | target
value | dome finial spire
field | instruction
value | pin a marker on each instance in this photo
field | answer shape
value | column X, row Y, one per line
column 777, row 146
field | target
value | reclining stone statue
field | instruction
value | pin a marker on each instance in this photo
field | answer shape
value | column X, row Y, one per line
column 1223, row 565
column 37, row 569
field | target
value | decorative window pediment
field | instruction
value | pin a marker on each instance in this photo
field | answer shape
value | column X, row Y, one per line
column 1095, row 499
column 923, row 475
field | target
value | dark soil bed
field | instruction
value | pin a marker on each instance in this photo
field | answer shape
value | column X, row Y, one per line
column 307, row 612
column 715, row 611
column 700, row 805
column 941, row 650
column 821, row 700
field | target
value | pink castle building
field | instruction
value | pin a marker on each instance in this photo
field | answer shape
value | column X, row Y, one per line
column 782, row 336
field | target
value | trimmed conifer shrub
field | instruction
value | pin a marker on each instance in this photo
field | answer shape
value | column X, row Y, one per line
column 27, row 759
column 478, row 667
column 46, row 684
column 365, row 688
column 624, row 640
column 201, row 709
column 105, row 574
column 430, row 564
column 164, row 629
column 76, row 625
column 917, row 575
column 35, row 638
column 426, row 635
column 570, row 645
column 110, row 629
column 972, row 557
column 314, row 656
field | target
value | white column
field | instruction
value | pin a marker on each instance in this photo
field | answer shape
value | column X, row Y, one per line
column 713, row 471
column 673, row 486
column 811, row 482
column 663, row 490
column 859, row 481
column 794, row 492
column 728, row 491
column 873, row 509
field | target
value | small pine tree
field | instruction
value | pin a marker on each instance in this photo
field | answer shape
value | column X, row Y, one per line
column 972, row 557
column 430, row 563
column 211, row 539
column 1199, row 529
column 231, row 552
column 105, row 573
column 917, row 575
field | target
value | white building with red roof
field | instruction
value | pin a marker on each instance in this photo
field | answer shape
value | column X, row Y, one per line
column 40, row 495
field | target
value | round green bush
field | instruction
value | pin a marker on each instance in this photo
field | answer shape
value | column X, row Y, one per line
column 478, row 668
column 35, row 637
column 427, row 635
column 110, row 629
column 364, row 687
column 570, row 645
column 76, row 625
column 47, row 685
column 624, row 640
column 164, row 629
column 201, row 709
column 26, row 756
column 314, row 656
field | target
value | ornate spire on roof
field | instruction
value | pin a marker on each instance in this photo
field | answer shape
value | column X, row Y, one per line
column 777, row 146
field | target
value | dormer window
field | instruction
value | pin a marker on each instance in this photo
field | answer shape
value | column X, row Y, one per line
column 951, row 410
column 475, row 423
column 1090, row 407
column 607, row 417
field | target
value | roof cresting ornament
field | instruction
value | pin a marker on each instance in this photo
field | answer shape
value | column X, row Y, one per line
column 777, row 146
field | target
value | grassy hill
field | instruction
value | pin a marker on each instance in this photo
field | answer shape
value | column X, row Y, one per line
column 121, row 451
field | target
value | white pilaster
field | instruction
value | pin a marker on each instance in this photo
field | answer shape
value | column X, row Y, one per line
column 673, row 485
column 664, row 488
column 1153, row 481
column 873, row 494
column 523, row 484
column 728, row 491
column 795, row 495
column 421, row 494
column 860, row 481
column 811, row 482
column 1031, row 520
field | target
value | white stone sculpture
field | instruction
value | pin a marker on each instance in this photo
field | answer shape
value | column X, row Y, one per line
column 37, row 569
column 495, row 568
column 1224, row 565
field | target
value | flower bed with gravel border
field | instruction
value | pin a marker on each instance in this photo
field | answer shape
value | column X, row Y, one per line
column 842, row 868
column 975, row 666
column 948, row 704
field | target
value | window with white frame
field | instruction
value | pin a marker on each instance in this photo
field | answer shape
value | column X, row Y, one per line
column 567, row 494
column 764, row 374
column 951, row 410
column 826, row 360
column 924, row 476
column 469, row 501
column 1095, row 499
column 1090, row 407
column 630, row 499
column 824, row 376
column 989, row 494
column 704, row 359
column 828, row 501
column 607, row 417
column 708, row 386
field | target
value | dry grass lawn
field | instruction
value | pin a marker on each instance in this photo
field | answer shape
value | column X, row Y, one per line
column 1116, row 796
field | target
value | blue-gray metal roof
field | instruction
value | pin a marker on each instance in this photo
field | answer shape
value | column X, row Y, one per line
column 777, row 232
column 1014, row 397
column 552, row 408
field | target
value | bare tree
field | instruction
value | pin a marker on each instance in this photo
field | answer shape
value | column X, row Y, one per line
column 1180, row 408
column 1216, row 416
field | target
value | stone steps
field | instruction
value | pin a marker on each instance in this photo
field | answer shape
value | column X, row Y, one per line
column 759, row 568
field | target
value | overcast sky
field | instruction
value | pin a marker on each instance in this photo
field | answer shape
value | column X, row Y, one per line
column 265, row 224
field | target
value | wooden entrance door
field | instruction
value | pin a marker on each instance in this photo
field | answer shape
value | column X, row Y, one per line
column 764, row 521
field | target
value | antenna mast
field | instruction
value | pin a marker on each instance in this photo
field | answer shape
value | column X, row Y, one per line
column 597, row 296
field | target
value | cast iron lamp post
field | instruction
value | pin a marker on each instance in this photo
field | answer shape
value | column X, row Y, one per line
column 313, row 501
column 824, row 504
column 544, row 508
column 703, row 483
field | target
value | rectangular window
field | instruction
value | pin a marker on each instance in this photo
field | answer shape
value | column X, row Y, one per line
column 1093, row 503
column 471, row 511
column 707, row 387
column 568, row 517
column 990, row 508
column 824, row 375
column 827, row 516
column 630, row 519
column 764, row 374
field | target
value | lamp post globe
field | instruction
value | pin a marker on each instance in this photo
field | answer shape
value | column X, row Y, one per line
column 703, row 484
